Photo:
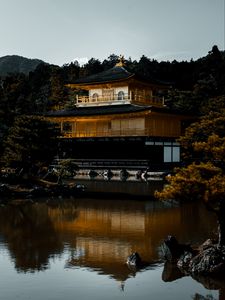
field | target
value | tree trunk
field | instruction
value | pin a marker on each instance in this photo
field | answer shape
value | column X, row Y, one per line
column 221, row 222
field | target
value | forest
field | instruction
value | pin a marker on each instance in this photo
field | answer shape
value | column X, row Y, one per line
column 194, row 86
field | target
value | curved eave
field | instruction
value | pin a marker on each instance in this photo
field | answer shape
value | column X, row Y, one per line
column 104, row 110
column 138, row 81
column 87, row 85
column 130, row 80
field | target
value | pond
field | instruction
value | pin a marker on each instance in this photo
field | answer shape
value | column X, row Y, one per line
column 77, row 249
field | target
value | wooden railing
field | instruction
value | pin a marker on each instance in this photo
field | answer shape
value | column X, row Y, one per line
column 116, row 99
column 107, row 133
column 100, row 100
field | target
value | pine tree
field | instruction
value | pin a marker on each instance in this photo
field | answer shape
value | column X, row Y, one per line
column 31, row 144
column 203, row 177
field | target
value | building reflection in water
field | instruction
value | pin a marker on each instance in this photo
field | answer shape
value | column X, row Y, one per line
column 97, row 234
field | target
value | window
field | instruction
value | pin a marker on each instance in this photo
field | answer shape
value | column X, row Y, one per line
column 121, row 95
column 108, row 94
column 176, row 154
column 167, row 154
column 95, row 97
column 171, row 154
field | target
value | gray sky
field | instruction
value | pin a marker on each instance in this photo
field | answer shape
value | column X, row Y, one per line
column 59, row 31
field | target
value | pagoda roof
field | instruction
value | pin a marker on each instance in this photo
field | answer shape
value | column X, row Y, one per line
column 110, row 110
column 117, row 73
column 99, row 110
column 113, row 75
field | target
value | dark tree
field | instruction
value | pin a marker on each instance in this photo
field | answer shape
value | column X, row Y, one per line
column 203, row 177
column 31, row 144
column 93, row 66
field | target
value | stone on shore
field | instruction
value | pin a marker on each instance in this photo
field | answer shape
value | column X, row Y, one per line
column 208, row 259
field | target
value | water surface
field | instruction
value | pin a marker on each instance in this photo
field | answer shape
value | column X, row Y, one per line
column 77, row 249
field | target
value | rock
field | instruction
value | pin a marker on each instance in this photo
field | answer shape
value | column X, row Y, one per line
column 210, row 261
column 206, row 265
column 207, row 244
column 134, row 260
column 172, row 250
column 184, row 261
column 171, row 272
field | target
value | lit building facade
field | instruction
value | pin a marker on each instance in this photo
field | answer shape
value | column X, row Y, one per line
column 120, row 117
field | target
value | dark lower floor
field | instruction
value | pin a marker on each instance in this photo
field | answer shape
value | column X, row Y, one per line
column 154, row 150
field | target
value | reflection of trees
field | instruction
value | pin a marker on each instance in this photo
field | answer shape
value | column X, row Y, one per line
column 30, row 235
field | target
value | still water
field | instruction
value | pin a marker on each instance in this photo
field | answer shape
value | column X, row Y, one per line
column 77, row 249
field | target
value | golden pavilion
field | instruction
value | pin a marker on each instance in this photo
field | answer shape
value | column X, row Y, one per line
column 119, row 116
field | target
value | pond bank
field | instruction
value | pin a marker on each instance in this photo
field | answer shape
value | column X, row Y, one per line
column 40, row 189
column 205, row 263
column 45, row 189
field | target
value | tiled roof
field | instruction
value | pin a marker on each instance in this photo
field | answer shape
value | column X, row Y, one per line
column 114, row 74
column 99, row 110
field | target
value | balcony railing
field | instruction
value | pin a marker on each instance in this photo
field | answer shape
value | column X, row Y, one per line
column 107, row 133
column 116, row 99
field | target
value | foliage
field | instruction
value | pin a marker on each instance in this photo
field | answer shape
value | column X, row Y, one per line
column 182, row 101
column 110, row 62
column 202, row 181
column 204, row 140
column 58, row 90
column 214, row 104
column 203, row 176
column 204, row 156
column 31, row 143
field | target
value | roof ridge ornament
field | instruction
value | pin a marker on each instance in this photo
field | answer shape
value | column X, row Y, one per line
column 121, row 62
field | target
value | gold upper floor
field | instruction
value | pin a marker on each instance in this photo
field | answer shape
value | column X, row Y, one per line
column 129, row 91
column 119, row 98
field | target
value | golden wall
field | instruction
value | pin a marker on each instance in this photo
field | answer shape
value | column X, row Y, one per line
column 153, row 124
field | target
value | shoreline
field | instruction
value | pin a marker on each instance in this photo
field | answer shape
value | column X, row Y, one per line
column 11, row 192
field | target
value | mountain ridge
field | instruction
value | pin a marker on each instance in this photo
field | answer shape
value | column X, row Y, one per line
column 18, row 64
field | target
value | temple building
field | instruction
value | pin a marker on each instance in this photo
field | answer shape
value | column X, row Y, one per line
column 118, row 116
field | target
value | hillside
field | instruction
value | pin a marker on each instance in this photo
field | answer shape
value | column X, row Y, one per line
column 17, row 64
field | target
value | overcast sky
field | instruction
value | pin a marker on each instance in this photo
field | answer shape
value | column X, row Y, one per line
column 59, row 31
